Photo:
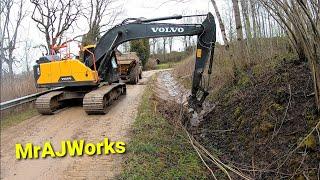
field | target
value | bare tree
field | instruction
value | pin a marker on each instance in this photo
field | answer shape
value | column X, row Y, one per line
column 4, row 21
column 9, row 32
column 153, row 44
column 237, row 18
column 301, row 21
column 253, row 17
column 246, row 19
column 185, row 42
column 99, row 14
column 221, row 24
column 27, row 48
column 54, row 18
column 158, row 47
column 164, row 43
column 170, row 43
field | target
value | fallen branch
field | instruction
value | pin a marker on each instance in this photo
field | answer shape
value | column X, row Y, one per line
column 197, row 150
column 288, row 155
column 285, row 114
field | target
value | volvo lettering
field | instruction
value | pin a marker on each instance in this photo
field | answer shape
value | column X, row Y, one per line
column 167, row 29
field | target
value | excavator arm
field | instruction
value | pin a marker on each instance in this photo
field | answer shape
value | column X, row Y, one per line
column 132, row 29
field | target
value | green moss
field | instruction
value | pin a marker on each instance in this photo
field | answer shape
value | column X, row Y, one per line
column 266, row 127
column 276, row 79
column 313, row 174
column 309, row 142
column 224, row 94
column 242, row 121
column 310, row 116
column 277, row 107
column 242, row 137
column 258, row 70
column 244, row 81
column 300, row 177
column 237, row 112
column 281, row 95
column 264, row 112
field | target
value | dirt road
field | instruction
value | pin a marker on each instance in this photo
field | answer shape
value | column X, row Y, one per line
column 71, row 124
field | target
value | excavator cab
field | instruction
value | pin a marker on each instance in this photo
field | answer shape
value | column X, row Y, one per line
column 86, row 53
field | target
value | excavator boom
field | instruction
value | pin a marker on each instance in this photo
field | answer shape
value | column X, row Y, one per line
column 96, row 81
column 147, row 28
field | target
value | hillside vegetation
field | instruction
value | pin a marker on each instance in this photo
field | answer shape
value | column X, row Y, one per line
column 265, row 121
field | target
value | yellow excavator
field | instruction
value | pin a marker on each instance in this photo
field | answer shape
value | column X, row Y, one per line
column 96, row 81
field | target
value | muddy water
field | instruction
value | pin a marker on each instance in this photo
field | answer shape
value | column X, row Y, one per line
column 169, row 89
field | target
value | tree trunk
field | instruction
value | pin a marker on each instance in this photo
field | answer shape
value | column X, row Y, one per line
column 253, row 16
column 154, row 42
column 164, row 48
column 10, row 66
column 222, row 27
column 170, row 43
column 241, row 46
column 317, row 86
column 185, row 43
column 0, row 69
column 237, row 18
column 246, row 18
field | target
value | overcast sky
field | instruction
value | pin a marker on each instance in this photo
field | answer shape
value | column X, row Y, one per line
column 131, row 8
column 159, row 8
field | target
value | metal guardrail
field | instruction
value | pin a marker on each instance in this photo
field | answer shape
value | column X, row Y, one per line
column 23, row 100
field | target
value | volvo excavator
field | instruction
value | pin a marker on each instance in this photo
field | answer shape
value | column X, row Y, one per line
column 96, row 81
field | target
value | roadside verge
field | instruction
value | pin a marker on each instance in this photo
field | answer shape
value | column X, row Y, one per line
column 158, row 148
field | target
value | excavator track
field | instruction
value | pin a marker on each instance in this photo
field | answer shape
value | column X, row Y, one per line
column 97, row 101
column 48, row 103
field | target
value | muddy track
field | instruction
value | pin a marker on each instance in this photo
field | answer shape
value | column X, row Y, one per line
column 71, row 124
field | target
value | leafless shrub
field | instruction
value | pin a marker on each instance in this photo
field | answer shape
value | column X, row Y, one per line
column 301, row 21
column 23, row 85
column 9, row 31
column 223, row 68
column 151, row 64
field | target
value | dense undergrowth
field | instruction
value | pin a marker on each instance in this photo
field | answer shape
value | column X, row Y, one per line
column 265, row 121
column 262, row 122
column 158, row 149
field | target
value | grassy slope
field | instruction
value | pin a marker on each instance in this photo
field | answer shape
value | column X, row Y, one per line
column 158, row 150
column 165, row 65
column 16, row 118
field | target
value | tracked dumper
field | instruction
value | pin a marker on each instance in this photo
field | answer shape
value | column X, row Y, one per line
column 130, row 67
column 94, row 79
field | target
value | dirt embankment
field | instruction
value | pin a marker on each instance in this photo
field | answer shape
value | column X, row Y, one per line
column 259, row 124
column 71, row 124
